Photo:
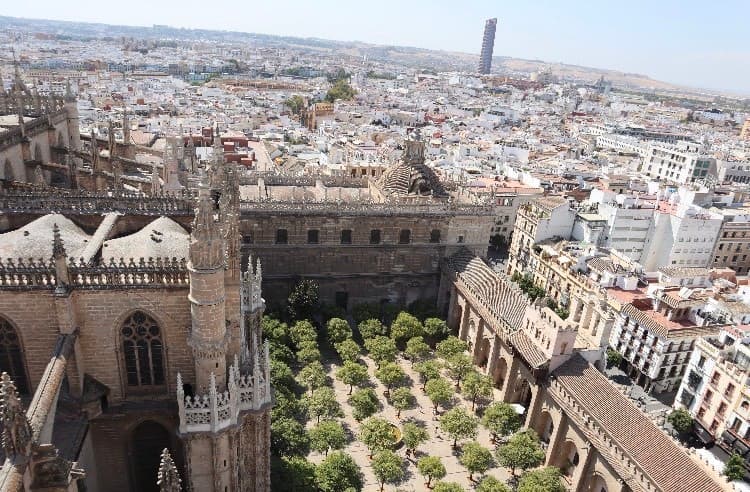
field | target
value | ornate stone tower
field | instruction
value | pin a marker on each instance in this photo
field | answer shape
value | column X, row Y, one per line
column 208, row 336
column 226, row 426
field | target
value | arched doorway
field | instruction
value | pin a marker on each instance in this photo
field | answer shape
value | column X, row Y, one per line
column 523, row 393
column 568, row 459
column 146, row 444
column 499, row 373
column 545, row 426
column 11, row 356
column 483, row 354
column 598, row 484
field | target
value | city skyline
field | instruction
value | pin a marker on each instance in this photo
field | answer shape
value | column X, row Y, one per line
column 695, row 48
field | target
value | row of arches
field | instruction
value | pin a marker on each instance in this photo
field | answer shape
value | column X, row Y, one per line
column 568, row 455
column 142, row 352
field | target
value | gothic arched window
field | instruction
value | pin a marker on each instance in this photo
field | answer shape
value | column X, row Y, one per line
column 143, row 350
column 11, row 356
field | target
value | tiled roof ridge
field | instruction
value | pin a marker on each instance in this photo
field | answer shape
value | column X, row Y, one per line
column 642, row 318
column 494, row 289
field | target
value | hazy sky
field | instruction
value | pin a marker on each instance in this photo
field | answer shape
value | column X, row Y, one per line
column 700, row 43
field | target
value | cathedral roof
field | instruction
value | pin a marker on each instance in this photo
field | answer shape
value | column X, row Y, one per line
column 162, row 238
column 34, row 240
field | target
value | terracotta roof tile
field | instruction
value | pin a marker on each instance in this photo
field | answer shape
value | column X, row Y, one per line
column 668, row 466
column 496, row 291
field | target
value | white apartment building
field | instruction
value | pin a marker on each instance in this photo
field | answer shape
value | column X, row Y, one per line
column 655, row 335
column 681, row 236
column 734, row 171
column 681, row 163
column 623, row 143
column 715, row 389
column 540, row 219
column 629, row 222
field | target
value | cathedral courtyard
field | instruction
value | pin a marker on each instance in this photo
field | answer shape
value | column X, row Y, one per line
column 419, row 408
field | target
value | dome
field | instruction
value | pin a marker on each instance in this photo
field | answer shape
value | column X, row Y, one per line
column 411, row 180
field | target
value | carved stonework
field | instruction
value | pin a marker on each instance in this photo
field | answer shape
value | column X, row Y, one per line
column 50, row 471
column 17, row 434
column 168, row 479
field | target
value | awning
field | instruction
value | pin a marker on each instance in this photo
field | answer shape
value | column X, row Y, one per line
column 728, row 437
column 741, row 447
column 520, row 409
column 705, row 436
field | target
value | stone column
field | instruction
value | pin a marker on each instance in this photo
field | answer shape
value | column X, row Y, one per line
column 536, row 402
column 478, row 338
column 463, row 327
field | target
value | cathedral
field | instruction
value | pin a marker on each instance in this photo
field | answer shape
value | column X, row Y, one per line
column 129, row 330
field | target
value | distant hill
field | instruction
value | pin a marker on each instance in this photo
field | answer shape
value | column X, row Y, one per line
column 411, row 57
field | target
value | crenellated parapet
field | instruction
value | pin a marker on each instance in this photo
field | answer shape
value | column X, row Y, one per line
column 218, row 410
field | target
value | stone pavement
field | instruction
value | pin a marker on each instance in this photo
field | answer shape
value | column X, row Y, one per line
column 438, row 444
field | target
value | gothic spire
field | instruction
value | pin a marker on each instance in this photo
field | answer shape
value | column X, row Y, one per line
column 204, row 223
column 168, row 478
column 155, row 182
column 125, row 128
column 17, row 436
column 69, row 97
column 16, row 72
column 94, row 152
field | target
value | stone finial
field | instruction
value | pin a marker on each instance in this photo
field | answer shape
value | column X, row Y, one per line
column 125, row 128
column 168, row 478
column 17, row 79
column 58, row 246
column 17, row 434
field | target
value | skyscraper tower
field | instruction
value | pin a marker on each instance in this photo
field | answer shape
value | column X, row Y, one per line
column 488, row 44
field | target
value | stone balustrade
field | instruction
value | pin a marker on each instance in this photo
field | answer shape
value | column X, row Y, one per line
column 33, row 274
column 219, row 410
column 364, row 208
column 44, row 201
